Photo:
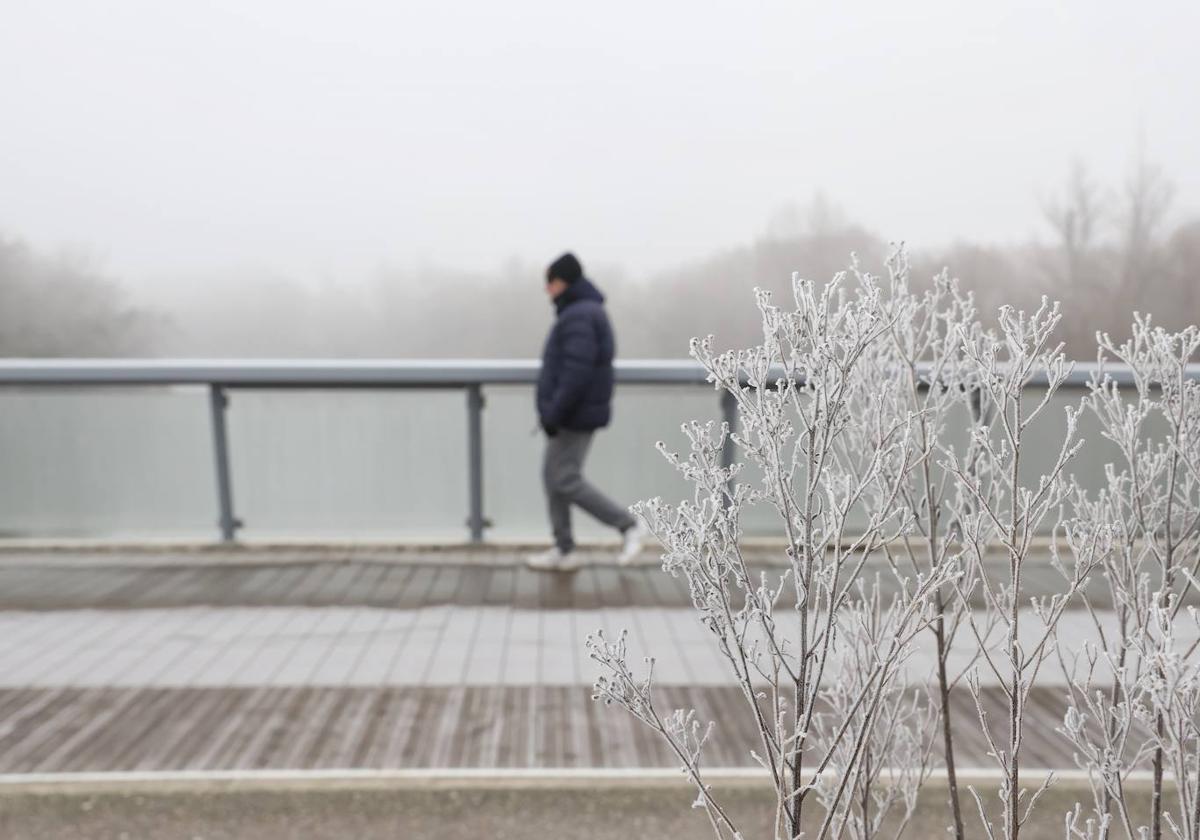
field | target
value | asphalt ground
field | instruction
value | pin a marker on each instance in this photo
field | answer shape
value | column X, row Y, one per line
column 449, row 809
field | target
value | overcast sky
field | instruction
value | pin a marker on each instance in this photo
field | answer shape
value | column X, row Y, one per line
column 321, row 139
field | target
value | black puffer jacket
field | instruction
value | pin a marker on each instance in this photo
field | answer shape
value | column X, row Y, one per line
column 575, row 387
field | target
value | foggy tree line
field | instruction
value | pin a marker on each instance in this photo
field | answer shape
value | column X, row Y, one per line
column 1105, row 251
column 59, row 306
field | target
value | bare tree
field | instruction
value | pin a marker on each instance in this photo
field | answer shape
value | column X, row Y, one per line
column 1075, row 218
column 1147, row 198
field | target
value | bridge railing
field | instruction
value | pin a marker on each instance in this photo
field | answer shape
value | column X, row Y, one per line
column 468, row 376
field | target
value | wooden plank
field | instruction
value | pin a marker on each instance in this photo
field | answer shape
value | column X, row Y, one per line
column 15, row 702
column 20, row 582
column 474, row 584
column 309, row 591
column 637, row 584
column 394, row 581
column 668, row 591
column 257, row 586
column 418, row 740
column 208, row 585
column 557, row 591
column 446, row 743
column 100, row 710
column 327, row 590
column 74, row 585
column 58, row 588
column 120, row 745
column 32, row 718
column 512, row 748
column 416, row 593
column 45, row 733
column 396, row 727
column 453, row 726
column 280, row 591
column 280, row 730
column 360, row 591
column 501, row 583
column 344, row 734
column 341, row 731
column 194, row 728
column 527, row 587
column 445, row 586
column 234, row 578
column 476, row 729
column 231, row 744
column 163, row 581
column 375, row 719
column 308, row 740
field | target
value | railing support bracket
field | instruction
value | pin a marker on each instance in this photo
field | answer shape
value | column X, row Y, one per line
column 218, row 402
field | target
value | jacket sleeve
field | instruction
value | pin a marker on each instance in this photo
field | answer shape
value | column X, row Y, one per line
column 579, row 351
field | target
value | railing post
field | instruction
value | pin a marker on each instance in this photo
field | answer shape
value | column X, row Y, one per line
column 218, row 401
column 475, row 519
column 729, row 413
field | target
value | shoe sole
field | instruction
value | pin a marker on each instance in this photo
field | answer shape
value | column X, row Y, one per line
column 625, row 558
column 558, row 567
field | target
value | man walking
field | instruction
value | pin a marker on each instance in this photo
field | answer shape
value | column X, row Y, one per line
column 574, row 399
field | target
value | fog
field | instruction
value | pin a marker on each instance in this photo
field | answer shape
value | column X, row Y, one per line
column 375, row 178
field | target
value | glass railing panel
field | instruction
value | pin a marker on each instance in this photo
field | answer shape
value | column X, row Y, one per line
column 356, row 464
column 106, row 463
column 347, row 464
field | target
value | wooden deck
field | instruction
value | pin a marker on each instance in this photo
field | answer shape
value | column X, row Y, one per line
column 295, row 727
column 385, row 585
column 170, row 664
column 67, row 581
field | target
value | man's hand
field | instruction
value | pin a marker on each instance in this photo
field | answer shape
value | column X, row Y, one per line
column 550, row 431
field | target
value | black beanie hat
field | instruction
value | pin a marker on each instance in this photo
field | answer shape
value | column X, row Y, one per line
column 565, row 268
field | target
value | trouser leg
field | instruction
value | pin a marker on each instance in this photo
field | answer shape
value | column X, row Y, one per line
column 558, row 506
column 563, row 476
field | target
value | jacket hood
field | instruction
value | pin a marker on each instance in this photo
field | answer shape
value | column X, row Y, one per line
column 581, row 289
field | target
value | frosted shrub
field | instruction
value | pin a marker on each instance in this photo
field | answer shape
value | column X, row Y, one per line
column 826, row 421
column 887, row 430
column 1134, row 688
column 1003, row 503
column 937, row 391
column 894, row 759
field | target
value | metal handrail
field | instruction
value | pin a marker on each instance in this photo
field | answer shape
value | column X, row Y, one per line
column 318, row 373
column 374, row 373
column 470, row 375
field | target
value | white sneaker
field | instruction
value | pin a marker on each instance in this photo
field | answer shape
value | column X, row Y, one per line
column 552, row 560
column 635, row 538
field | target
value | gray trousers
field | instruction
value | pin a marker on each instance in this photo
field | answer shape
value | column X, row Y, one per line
column 562, row 475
